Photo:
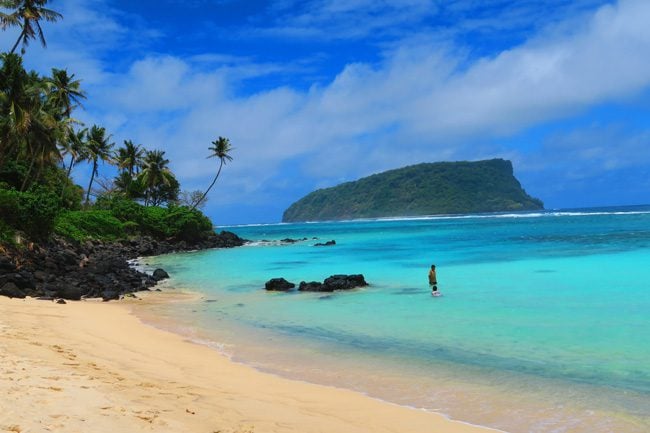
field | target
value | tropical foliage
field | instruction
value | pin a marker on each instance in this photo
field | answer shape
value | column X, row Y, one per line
column 41, row 144
column 27, row 15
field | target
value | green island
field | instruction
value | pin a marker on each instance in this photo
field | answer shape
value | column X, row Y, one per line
column 422, row 189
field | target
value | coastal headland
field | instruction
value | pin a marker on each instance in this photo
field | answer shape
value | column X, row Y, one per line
column 91, row 366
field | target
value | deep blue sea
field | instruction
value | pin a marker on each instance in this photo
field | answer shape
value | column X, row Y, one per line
column 543, row 326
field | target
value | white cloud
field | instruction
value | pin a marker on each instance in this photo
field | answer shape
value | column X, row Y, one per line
column 418, row 104
column 424, row 101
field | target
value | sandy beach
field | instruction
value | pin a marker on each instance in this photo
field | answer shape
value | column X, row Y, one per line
column 90, row 366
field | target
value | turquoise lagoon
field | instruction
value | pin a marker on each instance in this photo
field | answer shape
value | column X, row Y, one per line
column 544, row 325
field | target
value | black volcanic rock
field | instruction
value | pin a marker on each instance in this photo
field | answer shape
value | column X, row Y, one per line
column 12, row 291
column 345, row 282
column 326, row 244
column 278, row 284
column 73, row 270
column 313, row 286
column 160, row 274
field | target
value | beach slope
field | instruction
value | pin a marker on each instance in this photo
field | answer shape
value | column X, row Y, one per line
column 90, row 366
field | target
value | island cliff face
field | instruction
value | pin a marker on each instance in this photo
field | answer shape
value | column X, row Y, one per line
column 422, row 189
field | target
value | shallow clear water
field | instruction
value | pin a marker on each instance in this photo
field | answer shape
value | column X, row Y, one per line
column 544, row 325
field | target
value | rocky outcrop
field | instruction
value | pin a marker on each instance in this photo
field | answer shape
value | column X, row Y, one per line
column 326, row 244
column 345, row 282
column 278, row 285
column 72, row 270
column 312, row 286
column 331, row 284
column 160, row 274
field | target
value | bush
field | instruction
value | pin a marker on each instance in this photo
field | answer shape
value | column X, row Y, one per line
column 173, row 222
column 185, row 224
column 6, row 234
column 91, row 224
column 33, row 212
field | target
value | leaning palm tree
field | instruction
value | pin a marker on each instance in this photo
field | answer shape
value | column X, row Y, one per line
column 220, row 149
column 98, row 148
column 27, row 14
column 63, row 91
column 130, row 157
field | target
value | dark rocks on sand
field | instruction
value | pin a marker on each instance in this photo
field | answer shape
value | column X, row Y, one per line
column 326, row 244
column 61, row 301
column 11, row 290
column 278, row 284
column 93, row 269
column 160, row 274
column 110, row 295
column 69, row 292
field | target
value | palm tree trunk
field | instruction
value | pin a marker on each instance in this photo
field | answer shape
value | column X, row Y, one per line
column 29, row 172
column 198, row 202
column 69, row 171
column 16, row 44
column 92, row 177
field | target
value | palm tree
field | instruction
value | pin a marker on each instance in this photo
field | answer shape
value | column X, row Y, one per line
column 155, row 174
column 130, row 157
column 75, row 146
column 220, row 149
column 27, row 15
column 98, row 149
column 64, row 92
column 18, row 95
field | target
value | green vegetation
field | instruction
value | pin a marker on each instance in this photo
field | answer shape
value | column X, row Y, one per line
column 423, row 189
column 41, row 143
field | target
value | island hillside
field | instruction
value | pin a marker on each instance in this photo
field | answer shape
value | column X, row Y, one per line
column 422, row 189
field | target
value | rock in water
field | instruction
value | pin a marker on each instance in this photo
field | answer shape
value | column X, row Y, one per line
column 278, row 284
column 344, row 282
column 160, row 274
column 326, row 244
column 313, row 286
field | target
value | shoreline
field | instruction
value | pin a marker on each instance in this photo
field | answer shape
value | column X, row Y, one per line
column 138, row 377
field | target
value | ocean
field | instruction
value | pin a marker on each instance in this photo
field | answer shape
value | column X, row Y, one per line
column 543, row 326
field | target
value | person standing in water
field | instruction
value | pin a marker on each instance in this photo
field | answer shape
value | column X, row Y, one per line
column 433, row 280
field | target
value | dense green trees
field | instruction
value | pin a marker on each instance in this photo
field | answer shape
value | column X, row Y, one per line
column 422, row 189
column 41, row 143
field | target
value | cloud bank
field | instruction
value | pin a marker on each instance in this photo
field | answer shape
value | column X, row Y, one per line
column 426, row 99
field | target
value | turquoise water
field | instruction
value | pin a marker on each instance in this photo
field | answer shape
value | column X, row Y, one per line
column 544, row 325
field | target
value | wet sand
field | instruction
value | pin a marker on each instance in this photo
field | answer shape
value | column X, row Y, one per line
column 91, row 366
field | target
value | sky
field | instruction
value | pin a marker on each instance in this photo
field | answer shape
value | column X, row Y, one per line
column 312, row 93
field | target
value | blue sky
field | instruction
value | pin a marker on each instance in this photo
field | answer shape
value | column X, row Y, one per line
column 315, row 92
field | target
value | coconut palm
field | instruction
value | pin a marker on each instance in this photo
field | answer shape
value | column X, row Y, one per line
column 19, row 95
column 98, row 148
column 130, row 157
column 63, row 91
column 220, row 149
column 75, row 146
column 27, row 14
column 155, row 175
